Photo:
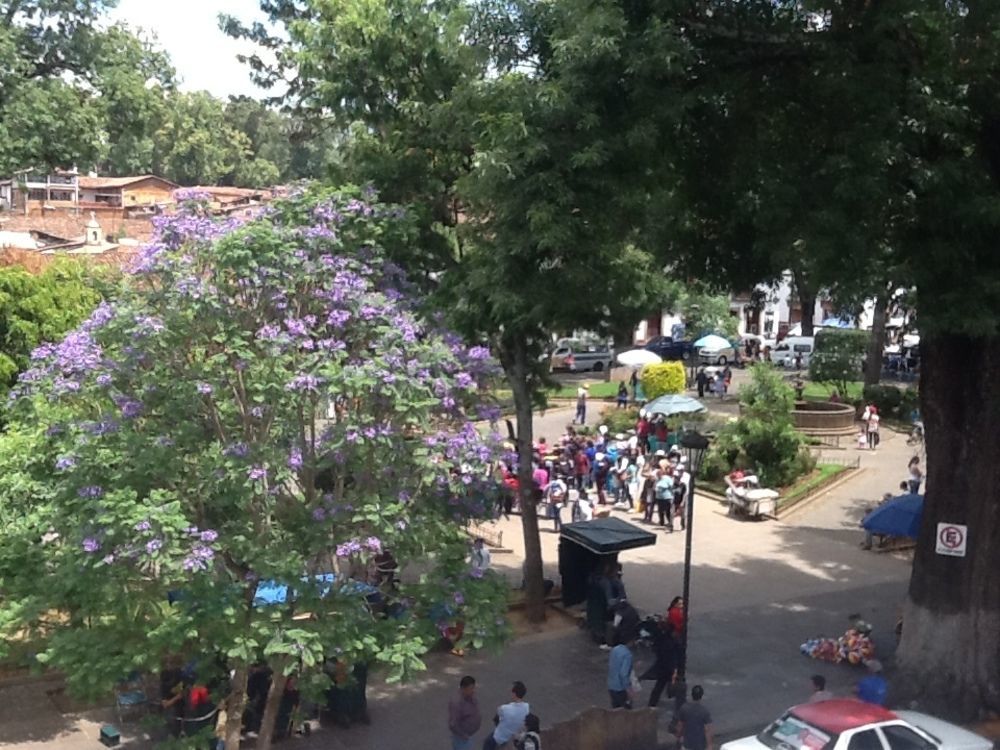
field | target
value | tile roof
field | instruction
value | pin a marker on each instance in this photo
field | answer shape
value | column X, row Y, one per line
column 69, row 226
column 116, row 182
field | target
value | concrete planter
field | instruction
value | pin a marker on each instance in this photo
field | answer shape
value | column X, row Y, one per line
column 823, row 418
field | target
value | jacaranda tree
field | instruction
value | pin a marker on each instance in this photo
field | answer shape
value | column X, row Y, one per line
column 260, row 411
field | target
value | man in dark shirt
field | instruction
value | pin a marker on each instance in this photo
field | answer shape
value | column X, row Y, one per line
column 464, row 718
column 694, row 722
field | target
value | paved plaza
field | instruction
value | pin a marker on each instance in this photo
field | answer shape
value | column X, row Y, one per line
column 758, row 590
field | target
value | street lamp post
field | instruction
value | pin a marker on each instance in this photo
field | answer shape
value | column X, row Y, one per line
column 695, row 446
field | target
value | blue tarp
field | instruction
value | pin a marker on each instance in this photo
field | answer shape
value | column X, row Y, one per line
column 898, row 517
column 270, row 592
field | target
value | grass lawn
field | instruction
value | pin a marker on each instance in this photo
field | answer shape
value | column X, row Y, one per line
column 597, row 390
column 811, row 481
column 822, row 391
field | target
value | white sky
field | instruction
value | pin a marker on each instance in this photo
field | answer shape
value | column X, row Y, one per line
column 205, row 58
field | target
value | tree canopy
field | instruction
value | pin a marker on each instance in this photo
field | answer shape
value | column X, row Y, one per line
column 258, row 415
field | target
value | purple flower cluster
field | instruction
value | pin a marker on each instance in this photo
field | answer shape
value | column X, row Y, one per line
column 204, row 389
column 91, row 491
column 130, row 408
column 91, row 545
column 65, row 463
column 356, row 546
column 304, row 384
column 257, row 472
column 198, row 559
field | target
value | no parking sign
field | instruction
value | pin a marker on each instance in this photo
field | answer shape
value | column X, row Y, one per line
column 951, row 539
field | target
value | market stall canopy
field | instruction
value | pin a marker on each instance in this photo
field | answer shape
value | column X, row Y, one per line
column 605, row 536
column 674, row 403
column 638, row 358
column 898, row 517
column 711, row 341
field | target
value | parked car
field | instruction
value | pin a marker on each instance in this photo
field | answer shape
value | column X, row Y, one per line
column 670, row 349
column 582, row 357
column 794, row 348
column 848, row 724
column 718, row 355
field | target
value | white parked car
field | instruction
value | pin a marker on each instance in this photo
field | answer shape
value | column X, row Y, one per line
column 717, row 355
column 848, row 724
column 792, row 350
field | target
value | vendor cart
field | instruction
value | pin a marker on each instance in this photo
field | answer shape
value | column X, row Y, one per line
column 748, row 499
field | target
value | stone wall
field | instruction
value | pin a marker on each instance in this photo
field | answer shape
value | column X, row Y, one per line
column 604, row 729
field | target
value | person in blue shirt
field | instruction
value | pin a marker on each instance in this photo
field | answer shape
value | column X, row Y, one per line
column 873, row 688
column 620, row 662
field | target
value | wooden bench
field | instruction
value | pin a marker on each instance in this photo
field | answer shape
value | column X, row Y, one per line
column 491, row 537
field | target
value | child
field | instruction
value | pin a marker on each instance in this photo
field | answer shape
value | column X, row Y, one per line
column 531, row 739
column 622, row 395
column 862, row 441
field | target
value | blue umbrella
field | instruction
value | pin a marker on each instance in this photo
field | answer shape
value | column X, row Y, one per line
column 898, row 517
column 674, row 403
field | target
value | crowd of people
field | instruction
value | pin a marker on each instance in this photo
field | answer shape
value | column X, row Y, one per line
column 644, row 472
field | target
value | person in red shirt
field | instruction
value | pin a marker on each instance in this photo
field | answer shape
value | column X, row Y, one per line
column 675, row 614
column 642, row 432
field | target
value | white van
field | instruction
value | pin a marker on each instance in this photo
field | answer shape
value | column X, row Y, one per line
column 794, row 352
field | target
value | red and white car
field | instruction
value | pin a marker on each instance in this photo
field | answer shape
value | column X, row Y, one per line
column 847, row 724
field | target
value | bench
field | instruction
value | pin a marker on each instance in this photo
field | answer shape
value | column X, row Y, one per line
column 490, row 536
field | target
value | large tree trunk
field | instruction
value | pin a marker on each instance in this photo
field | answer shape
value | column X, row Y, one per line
column 534, row 584
column 273, row 704
column 873, row 363
column 236, row 702
column 807, row 302
column 950, row 651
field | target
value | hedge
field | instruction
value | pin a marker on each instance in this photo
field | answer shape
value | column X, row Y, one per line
column 660, row 379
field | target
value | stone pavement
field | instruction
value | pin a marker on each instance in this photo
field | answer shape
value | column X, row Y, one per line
column 758, row 590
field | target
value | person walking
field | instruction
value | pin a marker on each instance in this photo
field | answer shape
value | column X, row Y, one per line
column 819, row 692
column 622, row 398
column 701, row 380
column 916, row 476
column 620, row 662
column 581, row 404
column 694, row 722
column 510, row 719
column 664, row 669
column 464, row 717
column 871, row 420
